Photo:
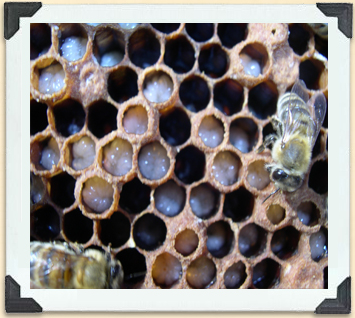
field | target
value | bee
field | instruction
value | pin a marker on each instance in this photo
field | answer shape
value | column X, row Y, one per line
column 56, row 265
column 297, row 125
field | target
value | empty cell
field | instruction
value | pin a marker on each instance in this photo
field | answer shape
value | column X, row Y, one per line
column 266, row 273
column 310, row 72
column 128, row 26
column 231, row 34
column 318, row 177
column 284, row 242
column 308, row 213
column 226, row 167
column 45, row 223
column 228, row 97
column 298, row 38
column 158, row 87
column 194, row 93
column 50, row 154
column 235, row 275
column 254, row 58
column 135, row 120
column 72, row 41
column 317, row 146
column 275, row 213
column 243, row 134
column 77, row 227
column 83, row 153
column 117, row 157
column 219, row 239
column 186, row 242
column 122, row 84
column 149, row 232
column 238, row 205
column 97, row 194
column 318, row 243
column 204, row 200
column 37, row 189
column 213, row 61
column 135, row 196
column 252, row 240
column 325, row 277
column 166, row 270
column 153, row 161
column 40, row 39
column 166, row 27
column 51, row 79
column 200, row 32
column 201, row 273
column 170, row 198
column 38, row 117
column 268, row 130
column 115, row 230
column 62, row 190
column 211, row 131
column 258, row 177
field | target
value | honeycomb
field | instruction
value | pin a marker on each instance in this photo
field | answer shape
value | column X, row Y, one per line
column 143, row 140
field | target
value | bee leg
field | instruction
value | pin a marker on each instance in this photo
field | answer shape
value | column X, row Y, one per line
column 77, row 248
column 277, row 125
column 270, row 139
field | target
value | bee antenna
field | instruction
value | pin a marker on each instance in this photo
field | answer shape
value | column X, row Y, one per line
column 271, row 194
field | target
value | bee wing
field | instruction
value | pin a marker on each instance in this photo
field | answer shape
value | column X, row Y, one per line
column 318, row 106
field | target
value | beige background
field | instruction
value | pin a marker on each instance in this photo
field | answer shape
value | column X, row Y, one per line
column 131, row 315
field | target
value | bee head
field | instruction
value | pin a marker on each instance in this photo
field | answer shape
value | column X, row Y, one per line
column 115, row 274
column 286, row 181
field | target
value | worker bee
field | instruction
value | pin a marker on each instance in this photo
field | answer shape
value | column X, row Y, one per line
column 297, row 125
column 56, row 265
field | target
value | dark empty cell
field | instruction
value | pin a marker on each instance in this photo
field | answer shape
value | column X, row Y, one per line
column 62, row 190
column 77, row 227
column 228, row 97
column 143, row 48
column 263, row 100
column 318, row 243
column 252, row 240
column 243, row 134
column 135, row 196
column 231, row 34
column 102, row 118
column 134, row 266
column 219, row 239
column 318, row 178
column 317, row 146
column 298, row 38
column 69, row 117
column 166, row 27
column 194, row 93
column 38, row 117
column 175, row 127
column 266, row 273
column 238, row 205
column 321, row 45
column 325, row 278
column 122, row 84
column 235, row 275
column 213, row 61
column 115, row 230
column 284, row 242
column 45, row 223
column 310, row 71
column 149, row 232
column 40, row 37
column 200, row 32
column 268, row 130
column 308, row 213
column 179, row 54
column 190, row 165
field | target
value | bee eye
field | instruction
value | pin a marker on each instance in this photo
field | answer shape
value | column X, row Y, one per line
column 279, row 175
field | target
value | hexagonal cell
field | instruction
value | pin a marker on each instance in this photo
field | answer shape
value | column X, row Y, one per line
column 158, row 87
column 325, row 277
column 72, row 41
column 83, row 153
column 258, row 176
column 298, row 38
column 238, row 205
column 143, row 48
column 38, row 117
column 97, row 194
column 117, row 157
column 51, row 78
column 226, row 167
column 211, row 131
column 200, row 32
column 231, row 34
column 219, row 239
column 213, row 60
column 153, row 161
column 166, row 27
column 115, row 230
column 204, row 200
column 102, row 118
column 318, row 243
column 263, row 100
column 275, row 213
column 194, row 93
column 175, row 126
column 308, row 213
column 243, row 134
column 310, row 72
column 40, row 39
column 201, row 273
column 321, row 45
column 166, row 270
column 109, row 47
column 45, row 154
column 179, row 54
column 62, row 190
column 37, row 189
column 190, row 165
column 235, row 275
column 284, row 242
column 228, row 97
column 252, row 240
column 135, row 196
column 186, row 242
column 135, row 120
column 254, row 58
column 149, row 232
column 266, row 273
column 77, row 227
column 45, row 223
column 169, row 198
column 69, row 117
column 318, row 177
column 122, row 84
